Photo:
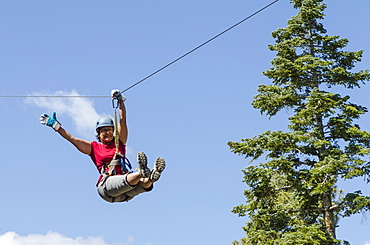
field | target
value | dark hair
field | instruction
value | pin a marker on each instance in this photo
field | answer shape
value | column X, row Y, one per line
column 97, row 134
column 97, row 137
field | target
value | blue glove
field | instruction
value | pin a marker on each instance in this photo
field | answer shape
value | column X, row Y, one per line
column 116, row 94
column 50, row 121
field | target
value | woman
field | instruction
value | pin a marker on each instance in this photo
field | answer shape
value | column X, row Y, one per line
column 115, row 184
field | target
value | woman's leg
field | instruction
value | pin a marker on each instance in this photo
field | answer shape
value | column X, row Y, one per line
column 133, row 178
column 116, row 187
column 145, row 185
column 118, row 184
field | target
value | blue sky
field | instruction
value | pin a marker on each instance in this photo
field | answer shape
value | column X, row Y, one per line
column 186, row 114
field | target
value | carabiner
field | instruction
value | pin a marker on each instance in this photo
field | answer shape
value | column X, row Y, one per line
column 115, row 106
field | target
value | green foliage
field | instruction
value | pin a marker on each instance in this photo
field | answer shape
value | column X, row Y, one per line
column 292, row 197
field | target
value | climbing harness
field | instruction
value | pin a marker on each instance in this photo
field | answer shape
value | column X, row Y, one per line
column 118, row 158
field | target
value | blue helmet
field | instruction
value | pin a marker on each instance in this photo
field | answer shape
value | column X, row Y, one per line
column 104, row 122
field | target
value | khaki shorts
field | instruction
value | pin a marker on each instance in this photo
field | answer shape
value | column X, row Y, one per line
column 116, row 189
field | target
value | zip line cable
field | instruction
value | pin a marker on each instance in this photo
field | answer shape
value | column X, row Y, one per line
column 55, row 96
column 206, row 42
column 164, row 67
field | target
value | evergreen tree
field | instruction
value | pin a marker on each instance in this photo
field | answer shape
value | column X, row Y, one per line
column 292, row 197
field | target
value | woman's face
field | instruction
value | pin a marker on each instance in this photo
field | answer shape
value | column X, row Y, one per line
column 106, row 134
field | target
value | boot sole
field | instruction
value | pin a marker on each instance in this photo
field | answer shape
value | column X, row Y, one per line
column 159, row 166
column 142, row 162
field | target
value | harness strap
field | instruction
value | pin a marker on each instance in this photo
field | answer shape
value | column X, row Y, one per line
column 112, row 165
column 126, row 167
column 116, row 133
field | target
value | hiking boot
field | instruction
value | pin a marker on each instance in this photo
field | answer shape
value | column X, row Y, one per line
column 159, row 166
column 142, row 161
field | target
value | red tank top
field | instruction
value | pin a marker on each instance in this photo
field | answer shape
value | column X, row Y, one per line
column 102, row 154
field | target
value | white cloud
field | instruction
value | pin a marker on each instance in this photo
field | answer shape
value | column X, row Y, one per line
column 79, row 109
column 54, row 238
column 12, row 238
